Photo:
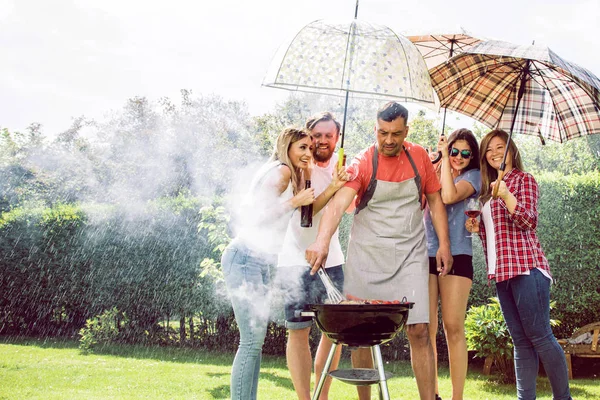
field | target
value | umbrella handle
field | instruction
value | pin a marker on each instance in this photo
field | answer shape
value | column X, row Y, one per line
column 497, row 185
column 341, row 158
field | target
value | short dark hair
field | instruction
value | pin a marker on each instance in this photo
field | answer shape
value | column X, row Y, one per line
column 391, row 111
column 322, row 117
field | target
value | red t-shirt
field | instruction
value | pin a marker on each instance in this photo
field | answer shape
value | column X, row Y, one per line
column 393, row 169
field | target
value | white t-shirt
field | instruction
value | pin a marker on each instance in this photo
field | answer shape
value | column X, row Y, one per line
column 486, row 216
column 258, row 228
column 297, row 239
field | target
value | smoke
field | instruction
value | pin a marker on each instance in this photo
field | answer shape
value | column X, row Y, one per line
column 141, row 153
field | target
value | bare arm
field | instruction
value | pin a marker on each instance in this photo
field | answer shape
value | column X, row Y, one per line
column 439, row 218
column 277, row 183
column 453, row 192
column 338, row 180
column 316, row 253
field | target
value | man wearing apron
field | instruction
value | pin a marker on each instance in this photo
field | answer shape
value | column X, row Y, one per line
column 387, row 250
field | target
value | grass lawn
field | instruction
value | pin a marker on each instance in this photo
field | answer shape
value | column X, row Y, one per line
column 53, row 369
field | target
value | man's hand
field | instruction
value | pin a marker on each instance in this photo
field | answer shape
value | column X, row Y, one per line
column 444, row 260
column 316, row 255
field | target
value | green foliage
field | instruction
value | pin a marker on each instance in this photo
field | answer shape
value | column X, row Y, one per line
column 570, row 158
column 215, row 220
column 213, row 223
column 101, row 330
column 488, row 336
column 569, row 232
column 486, row 331
column 41, row 287
column 424, row 131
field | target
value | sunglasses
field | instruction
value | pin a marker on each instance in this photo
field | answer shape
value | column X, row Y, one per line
column 463, row 153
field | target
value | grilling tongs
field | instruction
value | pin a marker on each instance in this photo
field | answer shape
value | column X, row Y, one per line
column 333, row 294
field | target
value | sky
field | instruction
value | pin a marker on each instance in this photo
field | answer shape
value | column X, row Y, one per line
column 61, row 59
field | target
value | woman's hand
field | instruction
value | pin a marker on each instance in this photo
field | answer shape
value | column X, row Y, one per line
column 472, row 225
column 304, row 197
column 443, row 146
column 503, row 191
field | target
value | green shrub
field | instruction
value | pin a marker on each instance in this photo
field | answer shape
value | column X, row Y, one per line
column 102, row 329
column 487, row 335
column 569, row 232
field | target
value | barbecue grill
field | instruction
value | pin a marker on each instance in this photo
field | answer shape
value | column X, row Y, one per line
column 359, row 325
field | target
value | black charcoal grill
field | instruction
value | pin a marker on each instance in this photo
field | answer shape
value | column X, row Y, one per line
column 359, row 325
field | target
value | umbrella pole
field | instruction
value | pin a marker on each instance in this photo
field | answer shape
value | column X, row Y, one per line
column 341, row 155
column 450, row 54
column 512, row 125
column 439, row 156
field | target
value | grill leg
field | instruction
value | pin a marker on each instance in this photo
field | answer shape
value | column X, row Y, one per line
column 319, row 387
column 383, row 388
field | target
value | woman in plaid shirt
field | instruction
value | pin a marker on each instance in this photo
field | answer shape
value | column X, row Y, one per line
column 517, row 263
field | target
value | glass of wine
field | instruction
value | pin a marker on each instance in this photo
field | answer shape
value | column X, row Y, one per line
column 472, row 209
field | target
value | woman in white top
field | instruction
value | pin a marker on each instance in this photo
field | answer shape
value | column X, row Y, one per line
column 277, row 189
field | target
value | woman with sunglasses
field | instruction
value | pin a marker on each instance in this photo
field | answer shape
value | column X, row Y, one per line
column 517, row 263
column 460, row 179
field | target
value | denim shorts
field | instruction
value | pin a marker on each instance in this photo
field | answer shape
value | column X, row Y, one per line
column 299, row 289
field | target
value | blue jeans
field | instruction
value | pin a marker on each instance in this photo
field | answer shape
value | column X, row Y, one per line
column 247, row 278
column 525, row 303
column 300, row 288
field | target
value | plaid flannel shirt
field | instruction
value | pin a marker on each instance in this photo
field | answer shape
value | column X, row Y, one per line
column 518, row 249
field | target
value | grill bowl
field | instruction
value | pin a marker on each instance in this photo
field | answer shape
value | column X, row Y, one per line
column 360, row 325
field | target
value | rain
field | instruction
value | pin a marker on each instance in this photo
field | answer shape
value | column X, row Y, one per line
column 119, row 220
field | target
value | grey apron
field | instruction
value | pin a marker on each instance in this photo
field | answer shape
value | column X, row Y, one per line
column 387, row 250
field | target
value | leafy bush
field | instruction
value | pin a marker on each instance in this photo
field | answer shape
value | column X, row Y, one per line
column 569, row 232
column 102, row 329
column 487, row 335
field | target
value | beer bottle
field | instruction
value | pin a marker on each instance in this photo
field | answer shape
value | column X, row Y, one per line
column 306, row 212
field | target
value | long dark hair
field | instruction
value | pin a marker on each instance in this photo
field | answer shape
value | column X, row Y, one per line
column 469, row 137
column 489, row 174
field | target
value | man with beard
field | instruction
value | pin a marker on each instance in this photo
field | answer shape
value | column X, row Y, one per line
column 298, row 286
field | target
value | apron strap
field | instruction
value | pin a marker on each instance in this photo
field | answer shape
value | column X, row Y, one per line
column 368, row 194
column 417, row 176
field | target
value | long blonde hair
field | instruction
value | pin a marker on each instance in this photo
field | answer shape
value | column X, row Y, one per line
column 281, row 150
column 488, row 173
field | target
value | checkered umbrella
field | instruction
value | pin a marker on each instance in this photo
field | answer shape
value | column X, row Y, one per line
column 358, row 57
column 523, row 89
column 437, row 48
